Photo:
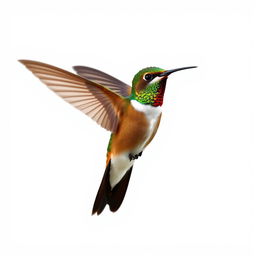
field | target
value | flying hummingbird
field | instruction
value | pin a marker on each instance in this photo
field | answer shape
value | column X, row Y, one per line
column 131, row 114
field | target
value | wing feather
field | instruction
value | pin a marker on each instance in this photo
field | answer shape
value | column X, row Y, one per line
column 104, row 79
column 98, row 102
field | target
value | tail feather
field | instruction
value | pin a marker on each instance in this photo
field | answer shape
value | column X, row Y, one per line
column 114, row 197
column 118, row 192
column 104, row 189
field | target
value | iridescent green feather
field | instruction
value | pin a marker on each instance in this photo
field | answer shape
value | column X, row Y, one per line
column 140, row 74
column 110, row 142
column 148, row 95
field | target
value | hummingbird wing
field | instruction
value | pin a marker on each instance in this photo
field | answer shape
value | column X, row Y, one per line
column 104, row 79
column 96, row 101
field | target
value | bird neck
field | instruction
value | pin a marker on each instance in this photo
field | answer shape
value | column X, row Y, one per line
column 152, row 95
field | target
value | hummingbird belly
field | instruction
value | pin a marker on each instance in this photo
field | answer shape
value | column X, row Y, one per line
column 136, row 130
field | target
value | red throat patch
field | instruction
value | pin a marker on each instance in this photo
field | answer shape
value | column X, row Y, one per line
column 159, row 97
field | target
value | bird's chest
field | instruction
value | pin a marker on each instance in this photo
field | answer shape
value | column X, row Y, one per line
column 136, row 129
column 151, row 115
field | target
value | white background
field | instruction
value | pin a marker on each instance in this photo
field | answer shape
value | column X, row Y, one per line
column 193, row 191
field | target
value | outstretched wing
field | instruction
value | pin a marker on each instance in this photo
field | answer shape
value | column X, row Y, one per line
column 104, row 79
column 96, row 101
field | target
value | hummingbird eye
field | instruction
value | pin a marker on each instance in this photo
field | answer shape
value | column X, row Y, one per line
column 148, row 77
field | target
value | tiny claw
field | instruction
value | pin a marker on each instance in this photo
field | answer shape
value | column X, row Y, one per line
column 130, row 157
column 133, row 157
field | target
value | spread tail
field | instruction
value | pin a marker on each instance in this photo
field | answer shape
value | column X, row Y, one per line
column 114, row 197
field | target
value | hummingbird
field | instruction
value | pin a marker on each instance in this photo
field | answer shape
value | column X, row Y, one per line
column 131, row 114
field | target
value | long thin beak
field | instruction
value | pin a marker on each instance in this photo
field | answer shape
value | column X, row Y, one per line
column 168, row 72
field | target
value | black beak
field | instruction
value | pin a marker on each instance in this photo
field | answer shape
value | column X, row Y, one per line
column 168, row 72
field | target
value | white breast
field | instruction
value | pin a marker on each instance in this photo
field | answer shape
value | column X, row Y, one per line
column 152, row 114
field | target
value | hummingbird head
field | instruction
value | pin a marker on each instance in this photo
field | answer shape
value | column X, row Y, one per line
column 148, row 85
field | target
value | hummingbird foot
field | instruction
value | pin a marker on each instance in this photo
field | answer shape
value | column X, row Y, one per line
column 133, row 157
